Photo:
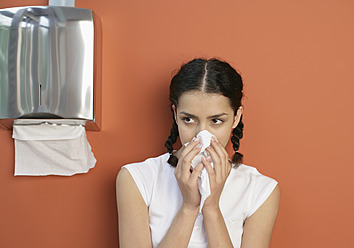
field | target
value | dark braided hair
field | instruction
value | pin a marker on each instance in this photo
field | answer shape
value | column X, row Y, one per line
column 237, row 134
column 209, row 76
column 171, row 140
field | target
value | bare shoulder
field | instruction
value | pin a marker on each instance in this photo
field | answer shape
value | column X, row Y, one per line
column 123, row 177
column 127, row 191
column 258, row 227
column 133, row 218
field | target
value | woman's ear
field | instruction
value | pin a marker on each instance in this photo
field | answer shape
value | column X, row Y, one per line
column 174, row 113
column 237, row 117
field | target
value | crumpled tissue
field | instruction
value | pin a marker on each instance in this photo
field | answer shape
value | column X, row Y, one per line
column 203, row 178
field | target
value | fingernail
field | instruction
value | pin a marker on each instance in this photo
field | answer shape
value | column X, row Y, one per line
column 196, row 139
column 215, row 139
column 208, row 158
column 199, row 145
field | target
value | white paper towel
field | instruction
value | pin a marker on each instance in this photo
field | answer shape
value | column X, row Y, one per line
column 51, row 147
column 203, row 178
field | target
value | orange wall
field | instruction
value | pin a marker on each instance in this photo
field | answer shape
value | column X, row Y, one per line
column 297, row 60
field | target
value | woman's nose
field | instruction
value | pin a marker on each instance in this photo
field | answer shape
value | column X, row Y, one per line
column 202, row 126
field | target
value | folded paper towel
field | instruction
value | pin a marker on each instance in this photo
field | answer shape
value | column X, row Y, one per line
column 203, row 178
column 51, row 147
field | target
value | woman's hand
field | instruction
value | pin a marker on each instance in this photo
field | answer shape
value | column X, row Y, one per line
column 187, row 179
column 217, row 175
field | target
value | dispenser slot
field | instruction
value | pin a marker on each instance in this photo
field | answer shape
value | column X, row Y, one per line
column 40, row 94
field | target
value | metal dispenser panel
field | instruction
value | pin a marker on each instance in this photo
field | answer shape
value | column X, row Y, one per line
column 46, row 62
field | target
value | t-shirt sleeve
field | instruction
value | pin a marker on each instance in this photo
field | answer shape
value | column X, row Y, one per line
column 262, row 187
column 143, row 175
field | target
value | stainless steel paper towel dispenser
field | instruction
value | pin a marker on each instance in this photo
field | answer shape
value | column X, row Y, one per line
column 46, row 63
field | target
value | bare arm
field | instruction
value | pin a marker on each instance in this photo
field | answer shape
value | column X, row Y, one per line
column 216, row 230
column 133, row 219
column 133, row 216
column 134, row 230
column 180, row 231
column 258, row 228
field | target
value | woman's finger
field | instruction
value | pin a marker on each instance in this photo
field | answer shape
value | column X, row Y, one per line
column 187, row 160
column 208, row 167
column 196, row 171
column 191, row 150
column 187, row 148
column 178, row 167
column 222, row 149
column 216, row 161
column 223, row 155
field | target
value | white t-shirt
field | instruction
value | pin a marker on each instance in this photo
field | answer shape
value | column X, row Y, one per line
column 244, row 192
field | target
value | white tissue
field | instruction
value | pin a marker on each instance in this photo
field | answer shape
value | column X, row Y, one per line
column 203, row 178
column 51, row 147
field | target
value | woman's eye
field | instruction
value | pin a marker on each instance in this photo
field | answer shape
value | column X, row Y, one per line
column 188, row 120
column 217, row 121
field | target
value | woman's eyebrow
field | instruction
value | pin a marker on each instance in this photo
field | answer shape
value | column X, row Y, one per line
column 217, row 116
column 209, row 117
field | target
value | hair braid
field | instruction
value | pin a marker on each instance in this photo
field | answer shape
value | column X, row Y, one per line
column 237, row 134
column 171, row 140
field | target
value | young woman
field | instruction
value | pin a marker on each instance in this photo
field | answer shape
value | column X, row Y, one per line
column 158, row 199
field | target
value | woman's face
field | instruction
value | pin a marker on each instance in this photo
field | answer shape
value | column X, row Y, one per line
column 199, row 111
